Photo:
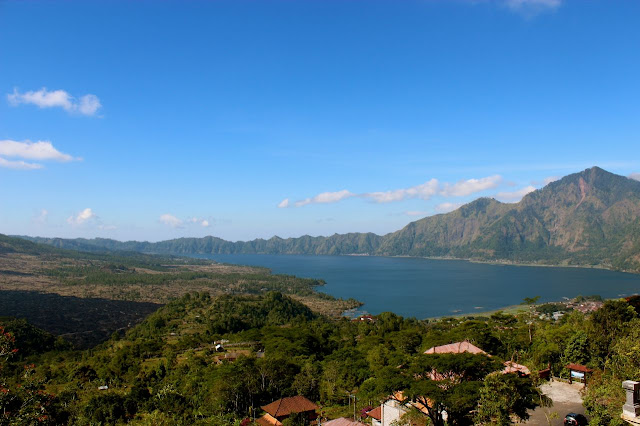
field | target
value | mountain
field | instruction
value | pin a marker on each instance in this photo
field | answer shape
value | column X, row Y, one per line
column 591, row 218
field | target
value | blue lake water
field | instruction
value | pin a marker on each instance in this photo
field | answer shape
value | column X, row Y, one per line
column 422, row 288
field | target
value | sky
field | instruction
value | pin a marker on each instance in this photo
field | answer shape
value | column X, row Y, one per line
column 150, row 120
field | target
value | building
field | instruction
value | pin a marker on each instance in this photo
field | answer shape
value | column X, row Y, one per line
column 343, row 422
column 279, row 410
column 396, row 406
column 376, row 416
column 455, row 348
column 513, row 367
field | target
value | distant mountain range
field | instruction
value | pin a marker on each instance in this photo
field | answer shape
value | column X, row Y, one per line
column 591, row 218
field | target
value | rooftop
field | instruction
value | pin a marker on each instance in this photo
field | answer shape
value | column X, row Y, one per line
column 455, row 348
column 292, row 404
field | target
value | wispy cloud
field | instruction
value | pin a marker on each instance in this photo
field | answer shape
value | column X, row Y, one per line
column 41, row 150
column 200, row 221
column 424, row 191
column 417, row 213
column 545, row 181
column 514, row 196
column 326, row 198
column 447, row 207
column 84, row 105
column 471, row 186
column 175, row 222
column 283, row 204
column 82, row 217
column 41, row 217
column 635, row 176
column 19, row 165
column 27, row 150
column 171, row 220
column 531, row 8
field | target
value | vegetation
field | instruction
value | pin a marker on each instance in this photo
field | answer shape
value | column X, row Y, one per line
column 167, row 369
column 587, row 219
column 85, row 297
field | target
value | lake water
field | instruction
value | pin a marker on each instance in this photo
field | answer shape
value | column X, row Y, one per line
column 423, row 288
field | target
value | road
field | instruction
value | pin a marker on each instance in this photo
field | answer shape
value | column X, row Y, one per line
column 566, row 399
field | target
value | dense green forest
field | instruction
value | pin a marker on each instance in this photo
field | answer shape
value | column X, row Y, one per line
column 591, row 218
column 167, row 371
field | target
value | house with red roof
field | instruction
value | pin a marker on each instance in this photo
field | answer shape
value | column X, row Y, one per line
column 278, row 411
column 455, row 348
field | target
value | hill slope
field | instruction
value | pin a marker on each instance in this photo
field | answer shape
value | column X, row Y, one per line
column 586, row 218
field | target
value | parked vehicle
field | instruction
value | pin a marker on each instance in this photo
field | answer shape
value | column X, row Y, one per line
column 575, row 419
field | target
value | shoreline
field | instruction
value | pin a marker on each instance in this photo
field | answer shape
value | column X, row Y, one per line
column 496, row 262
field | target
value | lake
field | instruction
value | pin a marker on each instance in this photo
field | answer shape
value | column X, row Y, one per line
column 422, row 288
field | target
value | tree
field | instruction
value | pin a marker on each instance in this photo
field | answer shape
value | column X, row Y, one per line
column 449, row 382
column 530, row 301
column 607, row 325
column 504, row 395
column 577, row 349
column 605, row 397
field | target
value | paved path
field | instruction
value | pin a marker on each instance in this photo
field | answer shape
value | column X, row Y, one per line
column 566, row 399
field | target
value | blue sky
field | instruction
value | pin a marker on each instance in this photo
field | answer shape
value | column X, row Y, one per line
column 243, row 119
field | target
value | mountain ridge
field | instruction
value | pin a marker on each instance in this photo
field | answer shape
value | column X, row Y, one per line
column 590, row 218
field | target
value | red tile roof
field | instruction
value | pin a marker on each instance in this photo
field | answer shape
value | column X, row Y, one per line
column 376, row 413
column 578, row 367
column 292, row 404
column 455, row 348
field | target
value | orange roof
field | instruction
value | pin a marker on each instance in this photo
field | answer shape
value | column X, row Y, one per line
column 455, row 348
column 421, row 403
column 512, row 367
column 268, row 420
column 376, row 413
column 578, row 367
column 292, row 404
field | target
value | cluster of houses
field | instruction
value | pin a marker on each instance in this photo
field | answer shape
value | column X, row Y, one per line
column 386, row 414
column 391, row 410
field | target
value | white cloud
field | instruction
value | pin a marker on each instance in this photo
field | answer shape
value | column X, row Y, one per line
column 43, row 98
column 41, row 150
column 530, row 8
column 82, row 217
column 424, row 191
column 171, row 220
column 175, row 222
column 41, row 217
column 416, row 213
column 447, row 207
column 468, row 187
column 326, row 198
column 635, row 176
column 20, row 165
column 283, row 204
column 515, row 196
column 88, row 105
column 550, row 179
